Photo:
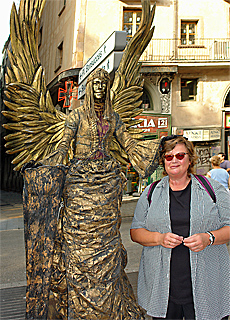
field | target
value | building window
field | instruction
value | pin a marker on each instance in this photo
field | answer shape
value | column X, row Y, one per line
column 227, row 101
column 131, row 22
column 59, row 56
column 188, row 32
column 62, row 4
column 146, row 101
column 188, row 89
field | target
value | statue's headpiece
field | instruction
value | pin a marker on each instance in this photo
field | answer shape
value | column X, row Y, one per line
column 89, row 98
column 99, row 73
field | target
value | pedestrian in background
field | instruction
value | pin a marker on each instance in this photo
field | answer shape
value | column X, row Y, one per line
column 184, row 268
column 225, row 164
column 219, row 174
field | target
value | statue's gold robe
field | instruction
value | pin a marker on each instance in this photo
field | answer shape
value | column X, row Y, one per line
column 89, row 281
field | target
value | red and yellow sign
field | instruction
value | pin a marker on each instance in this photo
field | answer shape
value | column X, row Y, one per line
column 67, row 94
column 159, row 125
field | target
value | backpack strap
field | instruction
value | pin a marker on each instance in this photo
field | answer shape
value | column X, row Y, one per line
column 151, row 189
column 202, row 180
column 207, row 185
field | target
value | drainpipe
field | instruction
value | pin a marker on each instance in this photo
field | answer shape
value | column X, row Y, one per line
column 223, row 134
column 175, row 28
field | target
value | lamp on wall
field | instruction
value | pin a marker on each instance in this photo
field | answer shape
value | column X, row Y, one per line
column 165, row 86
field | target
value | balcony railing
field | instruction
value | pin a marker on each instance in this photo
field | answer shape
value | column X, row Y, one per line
column 172, row 50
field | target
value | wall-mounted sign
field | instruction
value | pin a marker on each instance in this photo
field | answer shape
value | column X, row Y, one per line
column 153, row 123
column 116, row 42
column 109, row 64
column 194, row 135
column 206, row 135
column 67, row 94
column 214, row 134
column 227, row 120
column 202, row 135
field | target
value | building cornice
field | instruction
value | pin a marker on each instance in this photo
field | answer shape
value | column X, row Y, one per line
column 173, row 65
column 63, row 76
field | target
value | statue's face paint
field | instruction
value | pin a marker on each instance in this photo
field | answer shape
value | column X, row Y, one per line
column 99, row 88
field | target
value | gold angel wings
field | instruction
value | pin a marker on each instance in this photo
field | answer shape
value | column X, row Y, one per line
column 37, row 126
column 127, row 87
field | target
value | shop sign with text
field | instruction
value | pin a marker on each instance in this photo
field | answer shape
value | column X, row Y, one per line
column 152, row 124
column 202, row 135
column 194, row 135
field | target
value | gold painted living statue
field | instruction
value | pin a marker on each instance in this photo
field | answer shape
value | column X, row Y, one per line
column 73, row 182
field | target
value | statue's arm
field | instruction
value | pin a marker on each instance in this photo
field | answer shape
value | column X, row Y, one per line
column 144, row 155
column 58, row 156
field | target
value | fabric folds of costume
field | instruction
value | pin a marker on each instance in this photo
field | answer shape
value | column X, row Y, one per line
column 42, row 192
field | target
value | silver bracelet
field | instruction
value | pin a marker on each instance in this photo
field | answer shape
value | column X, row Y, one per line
column 211, row 237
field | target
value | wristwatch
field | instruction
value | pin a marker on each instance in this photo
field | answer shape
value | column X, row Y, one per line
column 211, row 237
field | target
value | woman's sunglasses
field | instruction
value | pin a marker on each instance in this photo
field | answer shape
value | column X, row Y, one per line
column 179, row 156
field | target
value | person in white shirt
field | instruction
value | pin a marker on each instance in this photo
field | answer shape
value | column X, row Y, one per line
column 219, row 174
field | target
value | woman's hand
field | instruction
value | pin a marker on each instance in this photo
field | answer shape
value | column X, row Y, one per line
column 170, row 240
column 200, row 241
column 149, row 238
column 197, row 242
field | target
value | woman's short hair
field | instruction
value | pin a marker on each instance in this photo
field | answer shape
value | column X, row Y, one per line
column 215, row 160
column 170, row 144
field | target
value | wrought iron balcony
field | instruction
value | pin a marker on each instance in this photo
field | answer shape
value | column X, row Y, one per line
column 172, row 50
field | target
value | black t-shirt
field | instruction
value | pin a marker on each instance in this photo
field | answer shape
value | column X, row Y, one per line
column 180, row 271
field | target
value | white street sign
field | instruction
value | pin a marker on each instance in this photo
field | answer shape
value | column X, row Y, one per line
column 110, row 64
column 116, row 42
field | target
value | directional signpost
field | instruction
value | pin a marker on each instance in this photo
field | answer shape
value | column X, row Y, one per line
column 108, row 57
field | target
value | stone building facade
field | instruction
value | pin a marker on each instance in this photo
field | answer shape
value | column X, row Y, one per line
column 190, row 48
